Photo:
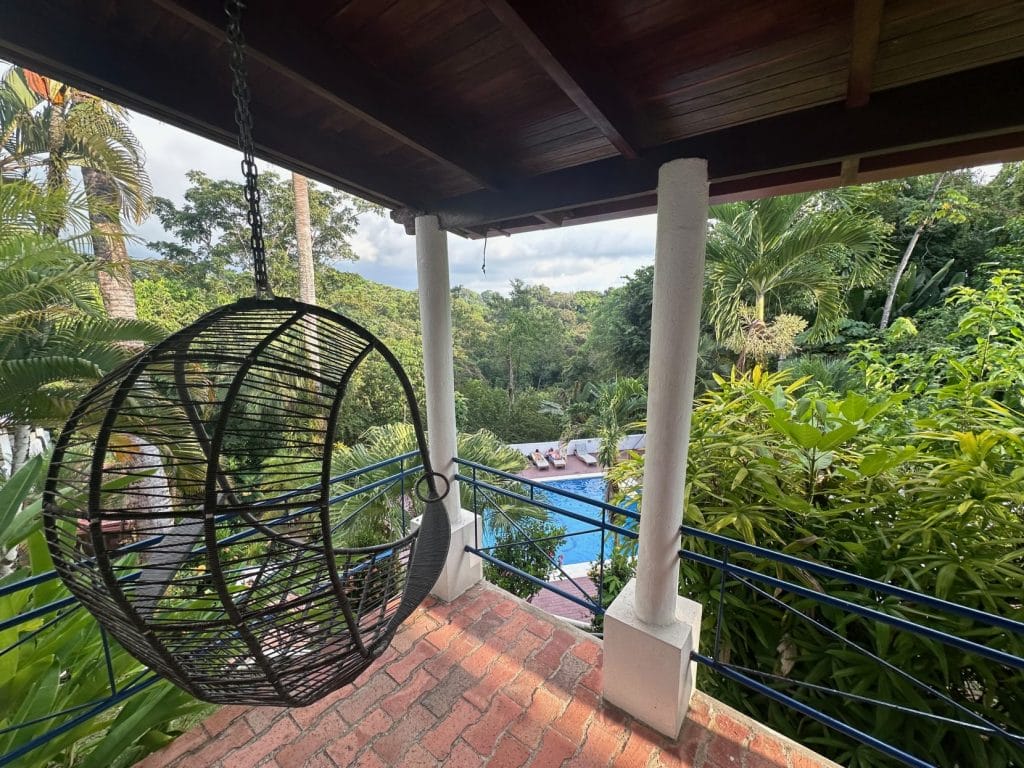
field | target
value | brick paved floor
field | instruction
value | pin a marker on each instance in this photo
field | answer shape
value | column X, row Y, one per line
column 485, row 680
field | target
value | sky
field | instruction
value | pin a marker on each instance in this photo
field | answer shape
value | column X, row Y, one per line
column 584, row 257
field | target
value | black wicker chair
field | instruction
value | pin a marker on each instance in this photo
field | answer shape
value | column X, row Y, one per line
column 189, row 507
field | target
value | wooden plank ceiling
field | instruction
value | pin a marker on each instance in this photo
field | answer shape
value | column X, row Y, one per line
column 506, row 115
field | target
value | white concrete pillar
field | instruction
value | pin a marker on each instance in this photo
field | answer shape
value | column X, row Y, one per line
column 650, row 630
column 675, row 332
column 462, row 570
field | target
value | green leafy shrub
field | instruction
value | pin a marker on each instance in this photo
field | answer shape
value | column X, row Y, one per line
column 530, row 546
column 918, row 485
column 617, row 571
column 63, row 666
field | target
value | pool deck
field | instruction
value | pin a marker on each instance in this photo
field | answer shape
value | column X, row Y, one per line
column 574, row 465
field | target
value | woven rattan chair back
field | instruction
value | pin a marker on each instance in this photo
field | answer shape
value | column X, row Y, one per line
column 190, row 507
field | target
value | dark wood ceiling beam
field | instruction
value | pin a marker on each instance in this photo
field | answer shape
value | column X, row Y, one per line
column 584, row 82
column 343, row 81
column 989, row 103
column 934, row 159
column 39, row 42
column 867, row 29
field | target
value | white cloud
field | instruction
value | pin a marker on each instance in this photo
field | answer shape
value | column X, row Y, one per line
column 583, row 257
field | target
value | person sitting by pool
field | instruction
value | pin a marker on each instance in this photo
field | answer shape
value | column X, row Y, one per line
column 555, row 457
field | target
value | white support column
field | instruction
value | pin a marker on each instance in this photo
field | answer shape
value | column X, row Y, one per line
column 462, row 570
column 650, row 630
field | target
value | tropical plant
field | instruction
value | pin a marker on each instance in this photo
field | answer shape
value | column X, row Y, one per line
column 780, row 255
column 55, row 340
column 381, row 443
column 48, row 667
column 617, row 405
column 52, row 126
column 917, row 485
column 613, row 576
column 531, row 546
column 953, row 206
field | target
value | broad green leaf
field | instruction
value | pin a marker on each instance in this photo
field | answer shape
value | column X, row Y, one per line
column 874, row 463
column 837, row 437
column 15, row 490
column 805, row 435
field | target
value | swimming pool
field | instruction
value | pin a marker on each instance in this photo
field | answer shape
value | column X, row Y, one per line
column 582, row 548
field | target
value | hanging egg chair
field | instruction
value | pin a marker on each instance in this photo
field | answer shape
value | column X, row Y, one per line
column 191, row 505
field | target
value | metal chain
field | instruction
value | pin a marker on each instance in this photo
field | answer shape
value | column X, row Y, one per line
column 243, row 117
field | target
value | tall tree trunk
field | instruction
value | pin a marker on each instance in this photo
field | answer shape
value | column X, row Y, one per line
column 56, row 164
column 511, row 382
column 21, row 438
column 304, row 248
column 304, row 239
column 115, row 276
column 902, row 266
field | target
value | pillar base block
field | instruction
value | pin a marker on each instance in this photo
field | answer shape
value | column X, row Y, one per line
column 647, row 669
column 462, row 569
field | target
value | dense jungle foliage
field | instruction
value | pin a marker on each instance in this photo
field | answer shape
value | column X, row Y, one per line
column 525, row 356
column 915, row 478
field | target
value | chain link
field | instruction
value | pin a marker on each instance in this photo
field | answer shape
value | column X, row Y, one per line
column 243, row 117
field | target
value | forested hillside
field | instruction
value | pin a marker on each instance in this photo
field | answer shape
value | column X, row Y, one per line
column 791, row 282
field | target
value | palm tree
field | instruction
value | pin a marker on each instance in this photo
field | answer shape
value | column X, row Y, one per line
column 55, row 340
column 53, row 126
column 783, row 253
column 617, row 405
column 483, row 447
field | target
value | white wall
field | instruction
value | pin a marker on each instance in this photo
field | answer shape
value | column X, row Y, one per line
column 580, row 445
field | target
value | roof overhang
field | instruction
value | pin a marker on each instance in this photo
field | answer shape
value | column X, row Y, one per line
column 511, row 115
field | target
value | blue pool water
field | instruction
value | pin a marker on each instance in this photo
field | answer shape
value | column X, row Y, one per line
column 582, row 548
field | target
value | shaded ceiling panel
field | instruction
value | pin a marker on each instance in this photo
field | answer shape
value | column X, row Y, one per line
column 517, row 114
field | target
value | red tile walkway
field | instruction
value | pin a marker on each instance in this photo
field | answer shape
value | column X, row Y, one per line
column 485, row 680
column 553, row 603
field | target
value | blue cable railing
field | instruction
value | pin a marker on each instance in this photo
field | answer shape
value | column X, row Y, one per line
column 821, row 597
column 830, row 602
column 846, row 596
column 43, row 623
column 495, row 496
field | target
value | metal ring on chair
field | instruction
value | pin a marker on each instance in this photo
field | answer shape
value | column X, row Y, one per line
column 426, row 475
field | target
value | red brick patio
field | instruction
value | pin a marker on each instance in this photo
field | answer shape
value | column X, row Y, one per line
column 485, row 680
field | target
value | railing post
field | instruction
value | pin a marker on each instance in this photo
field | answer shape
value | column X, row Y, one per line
column 650, row 631
column 401, row 471
column 462, row 569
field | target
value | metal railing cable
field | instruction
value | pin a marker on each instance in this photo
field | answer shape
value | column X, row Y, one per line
column 770, row 589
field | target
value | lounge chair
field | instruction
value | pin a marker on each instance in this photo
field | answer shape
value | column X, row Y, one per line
column 538, row 460
column 587, row 459
column 556, row 458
